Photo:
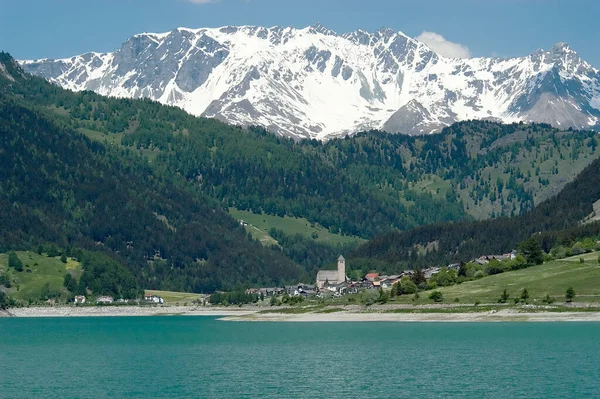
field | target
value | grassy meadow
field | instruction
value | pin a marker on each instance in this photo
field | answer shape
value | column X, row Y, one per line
column 173, row 298
column 44, row 270
column 259, row 226
column 552, row 278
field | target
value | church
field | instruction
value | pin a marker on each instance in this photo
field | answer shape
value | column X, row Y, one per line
column 332, row 277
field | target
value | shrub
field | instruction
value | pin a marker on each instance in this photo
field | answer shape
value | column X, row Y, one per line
column 504, row 297
column 548, row 299
column 406, row 286
column 495, row 267
column 369, row 297
column 581, row 260
column 570, row 294
column 436, row 296
column 479, row 274
column 5, row 280
column 383, row 297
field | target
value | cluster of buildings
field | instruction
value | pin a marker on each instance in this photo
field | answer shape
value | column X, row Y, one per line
column 109, row 300
column 336, row 282
column 152, row 298
column 332, row 282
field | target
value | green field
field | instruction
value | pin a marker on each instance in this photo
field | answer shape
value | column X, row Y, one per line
column 172, row 298
column 113, row 139
column 259, row 226
column 44, row 270
column 552, row 278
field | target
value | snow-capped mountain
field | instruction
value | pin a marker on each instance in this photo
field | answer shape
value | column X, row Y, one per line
column 315, row 83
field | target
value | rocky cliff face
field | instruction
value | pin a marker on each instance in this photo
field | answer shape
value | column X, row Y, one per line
column 314, row 83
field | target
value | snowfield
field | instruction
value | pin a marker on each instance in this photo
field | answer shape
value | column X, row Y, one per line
column 315, row 83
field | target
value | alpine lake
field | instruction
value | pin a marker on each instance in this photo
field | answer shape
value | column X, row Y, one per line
column 204, row 357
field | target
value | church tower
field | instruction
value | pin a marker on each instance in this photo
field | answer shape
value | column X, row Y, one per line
column 341, row 269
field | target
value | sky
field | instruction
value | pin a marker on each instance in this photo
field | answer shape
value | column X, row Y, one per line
column 31, row 29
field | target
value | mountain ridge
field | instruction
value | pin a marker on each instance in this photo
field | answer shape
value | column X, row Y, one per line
column 315, row 83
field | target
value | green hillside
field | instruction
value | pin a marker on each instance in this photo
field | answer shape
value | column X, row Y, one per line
column 38, row 270
column 552, row 278
column 260, row 225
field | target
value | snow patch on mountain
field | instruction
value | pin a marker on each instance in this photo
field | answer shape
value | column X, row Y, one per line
column 315, row 83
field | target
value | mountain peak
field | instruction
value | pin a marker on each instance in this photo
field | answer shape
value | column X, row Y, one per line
column 9, row 67
column 320, row 28
column 562, row 49
column 297, row 84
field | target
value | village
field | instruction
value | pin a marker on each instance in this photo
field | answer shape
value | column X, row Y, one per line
column 335, row 283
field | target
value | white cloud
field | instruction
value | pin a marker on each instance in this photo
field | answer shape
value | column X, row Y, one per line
column 202, row 1
column 443, row 47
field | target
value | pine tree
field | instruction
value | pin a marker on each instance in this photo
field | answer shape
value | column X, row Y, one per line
column 532, row 250
column 524, row 295
column 14, row 261
column 570, row 294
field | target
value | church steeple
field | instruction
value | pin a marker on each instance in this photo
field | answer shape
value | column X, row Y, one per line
column 341, row 269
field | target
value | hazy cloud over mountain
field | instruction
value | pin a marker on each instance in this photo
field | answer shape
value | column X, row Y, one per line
column 440, row 45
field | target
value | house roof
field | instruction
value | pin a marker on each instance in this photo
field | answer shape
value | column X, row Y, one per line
column 323, row 275
column 341, row 258
column 371, row 276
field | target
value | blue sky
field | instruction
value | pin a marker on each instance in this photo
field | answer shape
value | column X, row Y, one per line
column 61, row 28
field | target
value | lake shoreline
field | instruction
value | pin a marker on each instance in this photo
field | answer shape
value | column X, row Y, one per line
column 351, row 314
column 121, row 311
column 416, row 317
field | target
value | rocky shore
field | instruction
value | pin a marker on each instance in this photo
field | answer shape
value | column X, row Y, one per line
column 116, row 311
column 492, row 316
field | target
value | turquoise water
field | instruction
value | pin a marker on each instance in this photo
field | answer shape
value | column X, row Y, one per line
column 201, row 357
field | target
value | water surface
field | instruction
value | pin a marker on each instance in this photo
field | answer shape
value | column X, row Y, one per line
column 201, row 357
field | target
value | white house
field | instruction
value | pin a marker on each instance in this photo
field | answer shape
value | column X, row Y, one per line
column 154, row 298
column 105, row 300
column 79, row 299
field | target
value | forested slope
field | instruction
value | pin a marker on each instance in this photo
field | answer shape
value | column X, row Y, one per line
column 557, row 219
column 59, row 187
